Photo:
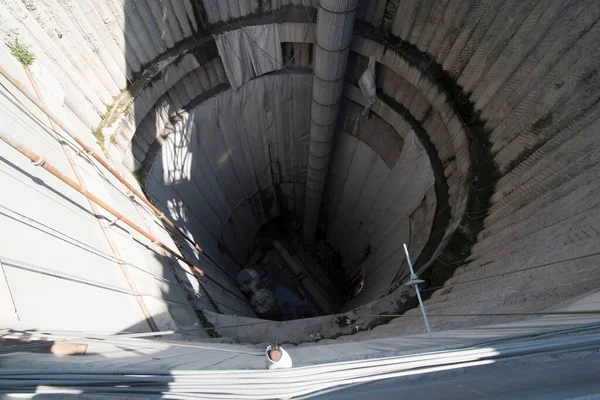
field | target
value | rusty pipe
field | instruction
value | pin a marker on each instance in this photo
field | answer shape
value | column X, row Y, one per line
column 103, row 162
column 105, row 231
column 40, row 161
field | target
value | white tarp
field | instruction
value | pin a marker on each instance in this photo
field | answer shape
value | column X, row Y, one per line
column 367, row 85
column 249, row 52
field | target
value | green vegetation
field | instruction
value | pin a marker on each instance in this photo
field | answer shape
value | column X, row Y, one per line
column 138, row 175
column 108, row 110
column 207, row 325
column 97, row 132
column 21, row 52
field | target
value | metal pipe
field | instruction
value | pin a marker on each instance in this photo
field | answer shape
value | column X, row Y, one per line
column 41, row 162
column 415, row 281
column 91, row 152
column 111, row 243
column 335, row 21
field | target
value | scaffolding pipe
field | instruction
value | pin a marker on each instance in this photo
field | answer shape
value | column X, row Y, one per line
column 103, row 226
column 53, row 117
column 335, row 22
column 40, row 161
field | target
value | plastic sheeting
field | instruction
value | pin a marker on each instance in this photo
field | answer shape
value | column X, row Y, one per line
column 249, row 52
column 367, row 85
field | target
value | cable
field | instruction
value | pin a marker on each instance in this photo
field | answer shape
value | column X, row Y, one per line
column 497, row 245
column 56, row 274
column 208, row 277
column 264, row 384
column 132, row 340
column 400, row 316
column 515, row 271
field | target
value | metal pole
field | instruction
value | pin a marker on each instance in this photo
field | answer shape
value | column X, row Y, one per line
column 102, row 162
column 413, row 277
column 103, row 226
column 40, row 161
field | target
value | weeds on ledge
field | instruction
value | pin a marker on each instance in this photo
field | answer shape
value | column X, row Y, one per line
column 21, row 52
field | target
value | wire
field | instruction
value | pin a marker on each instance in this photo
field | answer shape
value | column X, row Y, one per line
column 129, row 339
column 56, row 135
column 545, row 226
column 514, row 271
column 466, row 315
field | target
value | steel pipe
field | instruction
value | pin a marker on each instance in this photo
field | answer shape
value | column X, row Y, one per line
column 41, row 162
column 53, row 117
column 335, row 22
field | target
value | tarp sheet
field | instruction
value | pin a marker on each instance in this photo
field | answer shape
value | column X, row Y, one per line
column 367, row 85
column 249, row 52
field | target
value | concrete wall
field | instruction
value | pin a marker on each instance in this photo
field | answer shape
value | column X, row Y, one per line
column 229, row 210
column 96, row 48
column 378, row 178
column 235, row 161
column 62, row 266
column 531, row 70
column 425, row 101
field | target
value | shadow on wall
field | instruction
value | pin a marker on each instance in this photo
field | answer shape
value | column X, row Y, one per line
column 218, row 183
column 232, row 163
column 150, row 30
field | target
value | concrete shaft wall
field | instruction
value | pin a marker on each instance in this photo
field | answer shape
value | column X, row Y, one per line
column 62, row 266
column 335, row 22
column 234, row 162
column 529, row 69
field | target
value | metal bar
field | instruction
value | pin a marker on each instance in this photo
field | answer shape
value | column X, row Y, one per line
column 102, row 162
column 41, row 161
column 423, row 310
column 413, row 276
column 111, row 243
column 410, row 266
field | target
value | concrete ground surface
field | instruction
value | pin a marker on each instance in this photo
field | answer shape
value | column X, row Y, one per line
column 477, row 360
column 222, row 353
column 555, row 365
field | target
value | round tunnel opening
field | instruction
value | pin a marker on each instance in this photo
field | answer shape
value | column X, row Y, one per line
column 233, row 168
